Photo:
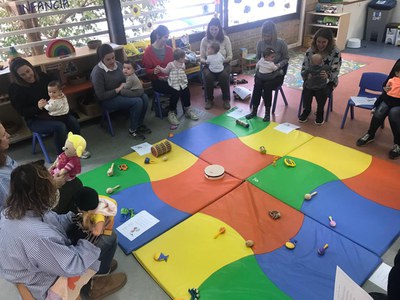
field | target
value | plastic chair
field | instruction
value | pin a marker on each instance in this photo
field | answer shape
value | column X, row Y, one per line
column 330, row 106
column 157, row 104
column 37, row 138
column 371, row 85
column 105, row 116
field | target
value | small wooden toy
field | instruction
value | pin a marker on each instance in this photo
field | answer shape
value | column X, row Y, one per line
column 321, row 251
column 242, row 123
column 123, row 167
column 309, row 196
column 274, row 160
column 289, row 162
column 110, row 171
column 263, row 150
column 171, row 135
column 165, row 158
column 160, row 257
column 291, row 244
column 194, row 294
column 221, row 231
column 111, row 190
column 332, row 223
column 214, row 172
column 274, row 214
column 148, row 161
column 249, row 243
column 161, row 148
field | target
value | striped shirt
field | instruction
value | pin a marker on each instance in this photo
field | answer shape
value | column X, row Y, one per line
column 5, row 173
column 35, row 251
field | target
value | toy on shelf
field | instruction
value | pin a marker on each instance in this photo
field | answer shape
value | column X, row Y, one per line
column 194, row 294
column 110, row 171
column 59, row 48
column 309, row 196
column 274, row 214
column 68, row 163
column 214, row 172
column 332, row 223
column 111, row 190
column 161, row 148
column 221, row 231
column 263, row 150
column 160, row 257
column 291, row 244
column 289, row 162
column 249, row 243
column 321, row 251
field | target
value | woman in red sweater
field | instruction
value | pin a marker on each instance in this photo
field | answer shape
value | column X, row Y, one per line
column 160, row 54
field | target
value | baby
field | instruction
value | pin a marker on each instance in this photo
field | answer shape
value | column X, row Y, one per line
column 95, row 217
column 215, row 60
column 266, row 67
column 392, row 96
column 57, row 105
column 312, row 75
column 133, row 86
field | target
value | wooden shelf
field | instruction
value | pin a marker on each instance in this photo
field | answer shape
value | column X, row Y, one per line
column 78, row 88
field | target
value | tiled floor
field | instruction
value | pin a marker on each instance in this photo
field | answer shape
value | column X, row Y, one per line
column 140, row 285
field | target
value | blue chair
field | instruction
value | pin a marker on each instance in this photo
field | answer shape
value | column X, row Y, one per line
column 105, row 117
column 371, row 85
column 37, row 138
column 330, row 106
column 157, row 105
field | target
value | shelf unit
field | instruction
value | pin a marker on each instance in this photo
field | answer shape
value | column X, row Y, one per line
column 84, row 59
column 338, row 23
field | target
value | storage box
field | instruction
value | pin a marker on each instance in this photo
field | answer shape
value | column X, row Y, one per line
column 397, row 42
column 391, row 36
column 90, row 109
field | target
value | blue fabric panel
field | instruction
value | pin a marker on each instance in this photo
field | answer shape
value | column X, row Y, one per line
column 200, row 137
column 365, row 222
column 141, row 197
column 304, row 274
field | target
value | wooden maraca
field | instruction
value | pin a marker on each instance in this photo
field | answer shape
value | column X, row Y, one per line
column 111, row 190
column 309, row 196
column 110, row 171
column 221, row 231
column 321, row 251
column 332, row 223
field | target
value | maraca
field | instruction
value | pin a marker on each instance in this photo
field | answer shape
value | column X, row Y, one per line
column 221, row 231
column 291, row 244
column 110, row 171
column 309, row 196
column 111, row 190
column 249, row 243
column 321, row 251
column 332, row 223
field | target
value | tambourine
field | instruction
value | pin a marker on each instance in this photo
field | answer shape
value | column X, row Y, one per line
column 161, row 148
column 214, row 172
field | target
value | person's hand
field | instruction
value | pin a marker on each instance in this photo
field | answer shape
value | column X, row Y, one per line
column 373, row 110
column 59, row 180
column 118, row 89
column 156, row 70
column 323, row 74
column 387, row 88
column 42, row 103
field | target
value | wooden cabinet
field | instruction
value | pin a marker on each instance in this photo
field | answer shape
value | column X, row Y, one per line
column 82, row 62
column 338, row 23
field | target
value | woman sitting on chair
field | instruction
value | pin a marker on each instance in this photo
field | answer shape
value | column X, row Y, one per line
column 323, row 43
column 386, row 106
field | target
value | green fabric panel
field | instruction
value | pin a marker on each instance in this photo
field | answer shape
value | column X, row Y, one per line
column 291, row 184
column 256, row 124
column 241, row 280
column 98, row 179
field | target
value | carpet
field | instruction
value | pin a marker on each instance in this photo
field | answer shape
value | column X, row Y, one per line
column 293, row 78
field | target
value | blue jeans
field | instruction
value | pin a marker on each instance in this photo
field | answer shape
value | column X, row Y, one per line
column 137, row 107
column 57, row 128
column 108, row 246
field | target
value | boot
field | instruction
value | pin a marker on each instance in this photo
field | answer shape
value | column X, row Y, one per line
column 253, row 113
column 105, row 285
column 267, row 116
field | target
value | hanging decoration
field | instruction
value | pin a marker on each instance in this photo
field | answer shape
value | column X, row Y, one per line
column 260, row 4
column 271, row 4
column 149, row 25
column 136, row 10
column 247, row 9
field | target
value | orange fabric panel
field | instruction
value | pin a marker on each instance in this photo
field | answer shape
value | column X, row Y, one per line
column 246, row 210
column 238, row 159
column 379, row 183
column 190, row 190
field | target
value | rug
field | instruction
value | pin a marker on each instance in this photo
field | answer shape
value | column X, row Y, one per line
column 293, row 78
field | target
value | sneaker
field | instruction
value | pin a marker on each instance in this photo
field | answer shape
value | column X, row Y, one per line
column 320, row 118
column 136, row 135
column 227, row 105
column 395, row 152
column 86, row 154
column 209, row 104
column 172, row 119
column 365, row 139
column 190, row 114
column 319, row 123
column 304, row 116
column 251, row 115
column 267, row 118
column 144, row 129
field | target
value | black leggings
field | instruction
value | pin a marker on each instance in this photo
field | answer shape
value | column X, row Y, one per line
column 379, row 116
column 162, row 86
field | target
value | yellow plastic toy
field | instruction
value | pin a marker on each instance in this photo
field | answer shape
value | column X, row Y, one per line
column 289, row 162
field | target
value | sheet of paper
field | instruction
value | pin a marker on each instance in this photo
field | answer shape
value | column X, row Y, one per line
column 286, row 127
column 363, row 100
column 135, row 226
column 238, row 113
column 380, row 276
column 347, row 289
column 142, row 149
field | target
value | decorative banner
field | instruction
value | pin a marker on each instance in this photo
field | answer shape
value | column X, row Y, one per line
column 59, row 47
column 136, row 11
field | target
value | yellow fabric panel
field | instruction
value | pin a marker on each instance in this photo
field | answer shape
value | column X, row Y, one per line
column 342, row 161
column 178, row 160
column 276, row 142
column 193, row 252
